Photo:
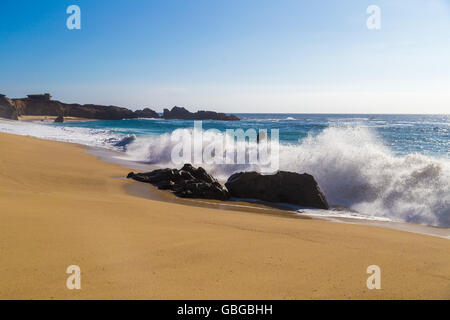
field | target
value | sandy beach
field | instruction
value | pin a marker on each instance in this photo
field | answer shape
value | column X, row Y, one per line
column 60, row 206
column 49, row 118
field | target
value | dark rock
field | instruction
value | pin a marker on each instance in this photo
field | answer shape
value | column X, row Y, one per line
column 125, row 142
column 59, row 119
column 180, row 113
column 285, row 187
column 92, row 111
column 188, row 182
column 146, row 113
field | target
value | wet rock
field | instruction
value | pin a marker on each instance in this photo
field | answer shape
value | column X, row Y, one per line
column 125, row 142
column 188, row 182
column 59, row 119
column 285, row 187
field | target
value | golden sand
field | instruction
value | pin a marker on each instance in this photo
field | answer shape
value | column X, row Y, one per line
column 50, row 118
column 60, row 206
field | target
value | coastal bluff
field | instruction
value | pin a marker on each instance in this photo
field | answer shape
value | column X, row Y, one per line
column 43, row 105
column 7, row 108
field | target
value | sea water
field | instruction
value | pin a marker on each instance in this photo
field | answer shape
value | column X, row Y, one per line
column 383, row 167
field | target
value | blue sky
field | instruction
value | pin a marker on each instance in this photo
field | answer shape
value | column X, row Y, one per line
column 233, row 56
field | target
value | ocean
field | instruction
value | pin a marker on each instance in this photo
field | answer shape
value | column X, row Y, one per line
column 380, row 167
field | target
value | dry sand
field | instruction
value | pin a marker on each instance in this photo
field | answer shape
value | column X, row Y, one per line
column 60, row 206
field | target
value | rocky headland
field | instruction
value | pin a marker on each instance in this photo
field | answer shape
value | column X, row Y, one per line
column 43, row 105
column 180, row 113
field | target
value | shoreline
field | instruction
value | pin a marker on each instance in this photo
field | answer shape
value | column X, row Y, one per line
column 62, row 206
column 148, row 191
column 118, row 157
column 38, row 119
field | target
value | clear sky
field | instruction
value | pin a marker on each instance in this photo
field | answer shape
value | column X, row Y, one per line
column 231, row 55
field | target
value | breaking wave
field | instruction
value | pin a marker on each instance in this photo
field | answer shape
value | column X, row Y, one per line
column 353, row 168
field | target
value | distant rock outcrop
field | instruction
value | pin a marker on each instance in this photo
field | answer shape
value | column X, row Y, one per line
column 92, row 111
column 147, row 113
column 285, row 187
column 43, row 105
column 7, row 108
column 188, row 182
column 180, row 113
column 59, row 119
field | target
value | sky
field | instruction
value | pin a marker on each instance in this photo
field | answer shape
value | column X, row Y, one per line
column 264, row 56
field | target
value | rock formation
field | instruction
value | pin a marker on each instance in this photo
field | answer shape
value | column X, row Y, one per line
column 188, row 182
column 146, row 113
column 43, row 105
column 180, row 113
column 59, row 119
column 285, row 187
column 92, row 111
column 35, row 105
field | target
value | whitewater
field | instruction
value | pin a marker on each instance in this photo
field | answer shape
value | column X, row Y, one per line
column 394, row 168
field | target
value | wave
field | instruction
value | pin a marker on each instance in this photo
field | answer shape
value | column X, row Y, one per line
column 351, row 164
column 353, row 168
column 356, row 170
column 85, row 136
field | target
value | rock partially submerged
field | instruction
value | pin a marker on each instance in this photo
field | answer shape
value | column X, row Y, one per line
column 285, row 187
column 180, row 113
column 59, row 119
column 125, row 142
column 188, row 182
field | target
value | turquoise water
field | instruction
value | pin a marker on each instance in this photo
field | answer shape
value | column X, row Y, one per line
column 403, row 134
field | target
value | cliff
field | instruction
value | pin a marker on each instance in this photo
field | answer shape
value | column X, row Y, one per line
column 42, row 105
column 7, row 108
